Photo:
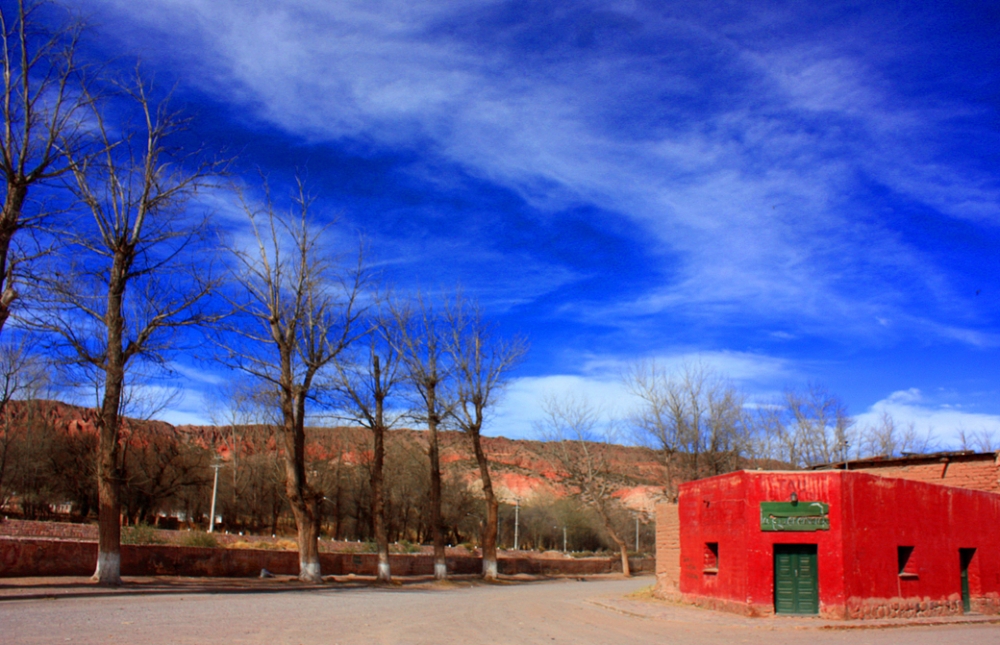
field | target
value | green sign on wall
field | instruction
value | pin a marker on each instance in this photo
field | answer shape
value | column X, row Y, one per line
column 794, row 516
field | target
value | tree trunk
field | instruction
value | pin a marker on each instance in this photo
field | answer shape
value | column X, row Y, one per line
column 300, row 497
column 622, row 547
column 378, row 499
column 489, row 537
column 437, row 534
column 309, row 565
column 13, row 204
column 623, row 550
column 108, row 571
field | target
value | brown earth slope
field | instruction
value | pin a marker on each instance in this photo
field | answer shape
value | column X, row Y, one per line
column 522, row 469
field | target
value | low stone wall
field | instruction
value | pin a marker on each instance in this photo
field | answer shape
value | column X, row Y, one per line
column 863, row 608
column 876, row 608
column 27, row 557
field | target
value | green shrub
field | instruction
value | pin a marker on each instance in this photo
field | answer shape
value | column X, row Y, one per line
column 141, row 534
column 197, row 538
column 408, row 547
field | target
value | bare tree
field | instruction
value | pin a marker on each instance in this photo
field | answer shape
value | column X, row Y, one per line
column 481, row 364
column 295, row 309
column 43, row 102
column 23, row 374
column 367, row 382
column 694, row 417
column 581, row 447
column 129, row 288
column 887, row 438
column 983, row 440
column 819, row 428
column 422, row 348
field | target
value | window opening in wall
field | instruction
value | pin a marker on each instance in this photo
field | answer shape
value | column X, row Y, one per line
column 966, row 557
column 906, row 562
column 711, row 558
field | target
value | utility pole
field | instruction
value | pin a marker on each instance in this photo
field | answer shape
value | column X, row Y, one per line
column 517, row 508
column 215, row 489
column 637, row 533
column 564, row 539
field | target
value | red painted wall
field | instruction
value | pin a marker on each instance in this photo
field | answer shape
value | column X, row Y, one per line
column 937, row 521
column 869, row 518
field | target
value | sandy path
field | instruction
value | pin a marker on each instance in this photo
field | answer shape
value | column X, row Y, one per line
column 551, row 612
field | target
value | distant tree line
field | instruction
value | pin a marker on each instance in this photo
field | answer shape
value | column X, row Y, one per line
column 701, row 424
column 167, row 482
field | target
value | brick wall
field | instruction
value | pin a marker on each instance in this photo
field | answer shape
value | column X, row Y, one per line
column 668, row 550
column 28, row 557
column 57, row 530
column 979, row 472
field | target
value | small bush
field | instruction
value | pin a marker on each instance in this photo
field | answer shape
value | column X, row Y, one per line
column 141, row 534
column 280, row 545
column 408, row 547
column 197, row 538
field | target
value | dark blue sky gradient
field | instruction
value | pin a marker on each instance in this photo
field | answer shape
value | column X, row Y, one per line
column 790, row 192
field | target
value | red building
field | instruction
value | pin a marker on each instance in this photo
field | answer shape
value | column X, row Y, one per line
column 840, row 544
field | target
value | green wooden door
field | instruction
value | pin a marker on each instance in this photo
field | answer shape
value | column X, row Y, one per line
column 796, row 583
column 965, row 559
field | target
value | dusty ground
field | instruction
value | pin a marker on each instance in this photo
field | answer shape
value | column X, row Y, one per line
column 460, row 612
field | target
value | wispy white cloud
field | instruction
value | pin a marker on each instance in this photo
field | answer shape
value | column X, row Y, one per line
column 746, row 201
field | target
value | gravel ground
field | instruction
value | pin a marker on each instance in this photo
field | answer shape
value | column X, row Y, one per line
column 460, row 612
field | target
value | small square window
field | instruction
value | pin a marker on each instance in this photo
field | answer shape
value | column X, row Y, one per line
column 711, row 558
column 906, row 563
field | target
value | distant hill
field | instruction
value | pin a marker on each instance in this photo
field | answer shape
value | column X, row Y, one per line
column 521, row 469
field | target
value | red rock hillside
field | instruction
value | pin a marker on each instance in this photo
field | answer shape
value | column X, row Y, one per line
column 521, row 469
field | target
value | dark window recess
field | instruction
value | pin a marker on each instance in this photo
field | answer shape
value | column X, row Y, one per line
column 965, row 557
column 711, row 557
column 905, row 561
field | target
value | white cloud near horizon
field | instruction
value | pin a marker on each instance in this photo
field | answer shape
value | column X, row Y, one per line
column 943, row 423
column 600, row 384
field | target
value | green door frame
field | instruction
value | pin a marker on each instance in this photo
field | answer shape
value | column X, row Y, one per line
column 796, row 579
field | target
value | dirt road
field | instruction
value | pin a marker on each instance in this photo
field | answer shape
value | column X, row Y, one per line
column 551, row 612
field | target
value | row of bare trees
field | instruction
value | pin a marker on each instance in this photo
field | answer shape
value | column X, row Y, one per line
column 111, row 268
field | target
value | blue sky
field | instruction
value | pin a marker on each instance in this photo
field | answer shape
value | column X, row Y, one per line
column 787, row 191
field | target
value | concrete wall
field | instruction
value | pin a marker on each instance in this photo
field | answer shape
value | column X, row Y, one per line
column 869, row 518
column 26, row 557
